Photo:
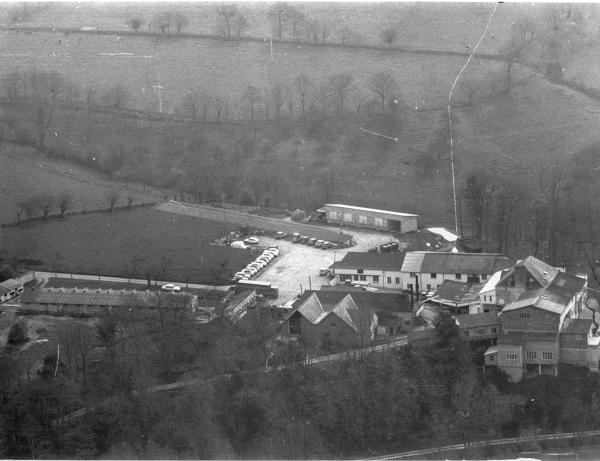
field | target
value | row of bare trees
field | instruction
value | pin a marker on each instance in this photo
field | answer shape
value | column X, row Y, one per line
column 297, row 99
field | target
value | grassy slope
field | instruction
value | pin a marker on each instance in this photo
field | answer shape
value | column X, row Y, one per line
column 107, row 243
column 456, row 24
column 25, row 172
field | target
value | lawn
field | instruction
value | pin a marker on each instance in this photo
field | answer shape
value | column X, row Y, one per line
column 25, row 172
column 128, row 243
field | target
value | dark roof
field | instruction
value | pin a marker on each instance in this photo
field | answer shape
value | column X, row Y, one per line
column 577, row 326
column 365, row 260
column 388, row 319
column 381, row 302
column 477, row 320
column 454, row 263
column 522, row 337
column 539, row 270
column 98, row 297
column 458, row 292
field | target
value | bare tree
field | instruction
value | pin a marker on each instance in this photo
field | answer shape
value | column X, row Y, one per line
column 296, row 19
column 252, row 95
column 227, row 12
column 220, row 104
column 345, row 34
column 65, row 201
column 195, row 101
column 181, row 21
column 77, row 341
column 240, row 24
column 513, row 52
column 340, row 86
column 302, row 85
column 163, row 22
column 113, row 198
column 277, row 97
column 383, row 85
column 389, row 36
column 45, row 201
column 279, row 14
column 135, row 24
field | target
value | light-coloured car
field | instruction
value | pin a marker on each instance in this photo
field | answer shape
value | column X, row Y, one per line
column 253, row 270
column 258, row 264
column 273, row 251
column 264, row 259
column 267, row 254
column 169, row 287
column 251, row 241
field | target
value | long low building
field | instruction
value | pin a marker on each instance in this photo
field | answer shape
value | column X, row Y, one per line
column 92, row 302
column 368, row 217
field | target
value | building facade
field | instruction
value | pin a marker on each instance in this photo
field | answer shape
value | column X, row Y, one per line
column 381, row 270
column 348, row 215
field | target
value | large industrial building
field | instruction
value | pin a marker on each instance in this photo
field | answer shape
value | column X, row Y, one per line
column 368, row 217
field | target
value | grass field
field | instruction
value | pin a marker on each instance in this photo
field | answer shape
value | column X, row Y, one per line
column 25, row 172
column 223, row 68
column 127, row 243
column 456, row 24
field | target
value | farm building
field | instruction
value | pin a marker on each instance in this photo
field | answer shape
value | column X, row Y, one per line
column 12, row 288
column 368, row 217
column 91, row 302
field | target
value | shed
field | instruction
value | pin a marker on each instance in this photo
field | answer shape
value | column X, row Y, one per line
column 368, row 217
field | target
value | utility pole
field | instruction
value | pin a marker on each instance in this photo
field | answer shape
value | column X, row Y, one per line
column 159, row 88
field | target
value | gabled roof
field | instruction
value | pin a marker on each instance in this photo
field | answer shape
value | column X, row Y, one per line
column 543, row 273
column 454, row 263
column 477, row 320
column 554, row 297
column 315, row 312
column 384, row 213
column 374, row 261
column 381, row 302
column 491, row 283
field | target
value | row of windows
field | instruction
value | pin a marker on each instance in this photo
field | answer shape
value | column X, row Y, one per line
column 531, row 355
column 482, row 332
column 434, row 275
column 355, row 277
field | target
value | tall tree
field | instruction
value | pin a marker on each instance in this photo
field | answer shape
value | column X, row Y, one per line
column 389, row 36
column 340, row 86
column 302, row 85
column 383, row 85
column 226, row 13
column 279, row 13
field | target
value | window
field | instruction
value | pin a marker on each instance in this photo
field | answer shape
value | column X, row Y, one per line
column 511, row 356
column 389, row 280
column 409, row 286
column 466, row 332
column 362, row 277
column 355, row 277
column 412, row 274
column 360, row 271
column 433, row 275
column 481, row 332
column 397, row 280
column 523, row 315
column 494, row 330
column 530, row 282
column 483, row 276
column 376, row 279
column 547, row 355
column 458, row 276
column 492, row 357
column 531, row 355
column 428, row 287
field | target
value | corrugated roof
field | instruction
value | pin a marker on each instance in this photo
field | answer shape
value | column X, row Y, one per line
column 392, row 214
column 99, row 297
column 446, row 234
column 375, row 261
column 477, row 320
column 454, row 263
column 577, row 326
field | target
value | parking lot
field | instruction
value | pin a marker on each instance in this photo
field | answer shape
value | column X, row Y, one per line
column 297, row 267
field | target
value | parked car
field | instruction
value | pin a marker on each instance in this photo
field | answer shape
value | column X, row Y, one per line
column 273, row 251
column 304, row 239
column 250, row 269
column 169, row 287
column 258, row 264
column 251, row 241
column 280, row 235
column 326, row 245
column 263, row 259
column 324, row 271
column 268, row 255
column 312, row 241
column 319, row 243
column 295, row 237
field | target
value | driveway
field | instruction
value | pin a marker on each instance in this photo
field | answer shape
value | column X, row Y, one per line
column 297, row 267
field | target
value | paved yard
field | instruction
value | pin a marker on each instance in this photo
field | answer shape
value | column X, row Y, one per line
column 297, row 266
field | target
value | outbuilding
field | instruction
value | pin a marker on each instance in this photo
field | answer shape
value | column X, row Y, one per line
column 368, row 217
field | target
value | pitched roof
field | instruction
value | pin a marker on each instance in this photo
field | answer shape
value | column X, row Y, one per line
column 377, row 301
column 492, row 282
column 555, row 297
column 477, row 320
column 315, row 312
column 577, row 326
column 454, row 292
column 446, row 234
column 384, row 213
column 375, row 261
column 98, row 297
column 454, row 263
column 543, row 273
